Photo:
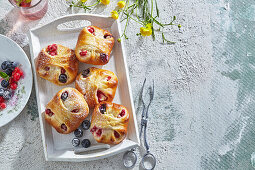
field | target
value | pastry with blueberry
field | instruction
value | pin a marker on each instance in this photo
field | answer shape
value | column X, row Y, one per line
column 97, row 85
column 57, row 64
column 94, row 46
column 66, row 111
column 109, row 123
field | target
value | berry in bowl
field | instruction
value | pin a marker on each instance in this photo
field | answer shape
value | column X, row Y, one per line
column 11, row 74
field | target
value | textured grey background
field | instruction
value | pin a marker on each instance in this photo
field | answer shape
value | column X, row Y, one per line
column 203, row 113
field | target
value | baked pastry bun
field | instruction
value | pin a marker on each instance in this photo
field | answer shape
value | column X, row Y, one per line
column 109, row 123
column 94, row 46
column 57, row 64
column 96, row 85
column 66, row 111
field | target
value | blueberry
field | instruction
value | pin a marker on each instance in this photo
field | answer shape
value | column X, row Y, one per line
column 1, row 91
column 62, row 78
column 64, row 95
column 76, row 142
column 78, row 133
column 7, row 94
column 13, row 65
column 85, row 124
column 4, row 83
column 85, row 143
column 104, row 57
column 85, row 73
column 5, row 65
column 8, row 71
column 102, row 108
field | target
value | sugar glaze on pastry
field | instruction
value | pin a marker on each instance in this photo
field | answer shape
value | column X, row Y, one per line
column 94, row 46
column 109, row 123
column 66, row 111
column 57, row 64
column 96, row 85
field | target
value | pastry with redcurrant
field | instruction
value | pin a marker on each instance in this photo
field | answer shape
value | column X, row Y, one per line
column 109, row 123
column 96, row 85
column 66, row 111
column 57, row 64
column 94, row 46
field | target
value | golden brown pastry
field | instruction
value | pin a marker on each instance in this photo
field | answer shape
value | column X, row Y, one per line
column 109, row 123
column 94, row 46
column 66, row 111
column 96, row 85
column 57, row 64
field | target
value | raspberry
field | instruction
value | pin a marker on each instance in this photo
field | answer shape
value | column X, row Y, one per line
column 11, row 80
column 13, row 86
column 16, row 77
column 108, row 78
column 17, row 70
column 91, row 30
column 83, row 53
column 1, row 99
column 122, row 113
column 2, row 105
column 21, row 73
column 52, row 49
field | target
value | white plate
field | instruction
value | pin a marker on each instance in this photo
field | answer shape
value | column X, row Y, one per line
column 13, row 52
column 57, row 147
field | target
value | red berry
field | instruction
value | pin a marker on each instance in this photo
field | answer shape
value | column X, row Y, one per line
column 99, row 132
column 93, row 129
column 63, row 71
column 91, row 30
column 83, row 53
column 13, row 86
column 49, row 112
column 108, row 78
column 21, row 73
column 2, row 105
column 11, row 80
column 16, row 77
column 24, row 4
column 17, row 70
column 116, row 134
column 1, row 99
column 122, row 113
column 52, row 49
column 101, row 96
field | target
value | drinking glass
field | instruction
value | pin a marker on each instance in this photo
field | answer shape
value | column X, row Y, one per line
column 32, row 11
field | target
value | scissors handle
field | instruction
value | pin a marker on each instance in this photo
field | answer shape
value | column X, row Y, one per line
column 144, row 123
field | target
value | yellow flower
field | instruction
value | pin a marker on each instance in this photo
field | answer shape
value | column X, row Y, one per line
column 146, row 31
column 121, row 4
column 105, row 2
column 83, row 1
column 115, row 14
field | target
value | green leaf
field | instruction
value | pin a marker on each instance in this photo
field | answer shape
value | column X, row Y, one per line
column 3, row 75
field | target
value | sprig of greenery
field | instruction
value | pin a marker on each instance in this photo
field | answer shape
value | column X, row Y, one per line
column 145, row 8
column 4, row 75
column 81, row 4
column 140, row 11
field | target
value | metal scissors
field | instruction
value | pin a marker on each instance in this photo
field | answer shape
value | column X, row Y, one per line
column 148, row 161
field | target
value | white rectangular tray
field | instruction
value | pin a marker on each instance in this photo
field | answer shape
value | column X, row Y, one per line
column 57, row 147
